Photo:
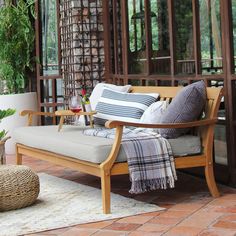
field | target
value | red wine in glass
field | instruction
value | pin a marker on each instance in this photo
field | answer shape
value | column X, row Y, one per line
column 76, row 110
column 75, row 104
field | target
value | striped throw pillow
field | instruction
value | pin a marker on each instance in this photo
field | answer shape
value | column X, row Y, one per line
column 121, row 106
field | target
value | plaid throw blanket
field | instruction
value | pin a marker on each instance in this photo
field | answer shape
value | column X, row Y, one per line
column 149, row 156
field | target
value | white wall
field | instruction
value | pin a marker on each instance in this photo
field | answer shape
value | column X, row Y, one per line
column 26, row 101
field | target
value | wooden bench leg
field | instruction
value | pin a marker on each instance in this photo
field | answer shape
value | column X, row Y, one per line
column 18, row 157
column 106, row 192
column 210, row 178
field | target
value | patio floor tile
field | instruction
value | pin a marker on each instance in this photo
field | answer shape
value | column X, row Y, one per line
column 52, row 232
column 155, row 213
column 184, row 231
column 41, row 234
column 227, row 209
column 231, row 217
column 187, row 207
column 141, row 233
column 226, row 225
column 216, row 232
column 135, row 219
column 110, row 233
column 78, row 231
column 175, row 214
column 123, row 226
column 164, row 220
column 96, row 225
column 223, row 202
column 148, row 227
column 200, row 219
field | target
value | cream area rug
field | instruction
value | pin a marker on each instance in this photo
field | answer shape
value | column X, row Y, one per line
column 64, row 203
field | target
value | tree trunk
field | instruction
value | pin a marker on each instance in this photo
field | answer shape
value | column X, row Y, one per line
column 2, row 154
column 2, row 151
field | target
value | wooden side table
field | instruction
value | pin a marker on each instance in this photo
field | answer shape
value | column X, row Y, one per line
column 63, row 113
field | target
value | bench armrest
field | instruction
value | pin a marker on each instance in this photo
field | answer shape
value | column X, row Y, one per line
column 36, row 113
column 113, row 124
column 119, row 130
column 31, row 113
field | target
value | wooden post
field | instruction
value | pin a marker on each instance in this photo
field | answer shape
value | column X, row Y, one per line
column 2, row 153
column 210, row 178
column 106, row 191
column 2, row 150
column 18, row 157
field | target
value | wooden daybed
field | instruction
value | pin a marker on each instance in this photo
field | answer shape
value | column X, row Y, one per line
column 109, row 167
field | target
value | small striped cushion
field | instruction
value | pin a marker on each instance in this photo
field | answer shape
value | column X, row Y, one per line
column 121, row 106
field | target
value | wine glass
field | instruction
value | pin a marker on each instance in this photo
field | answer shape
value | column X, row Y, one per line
column 75, row 105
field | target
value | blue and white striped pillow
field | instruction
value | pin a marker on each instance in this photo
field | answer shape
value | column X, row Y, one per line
column 121, row 106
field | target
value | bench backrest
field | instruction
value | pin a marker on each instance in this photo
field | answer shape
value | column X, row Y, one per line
column 214, row 96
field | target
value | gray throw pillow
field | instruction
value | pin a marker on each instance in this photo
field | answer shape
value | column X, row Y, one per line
column 187, row 106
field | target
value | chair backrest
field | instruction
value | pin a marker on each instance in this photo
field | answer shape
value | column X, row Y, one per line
column 214, row 96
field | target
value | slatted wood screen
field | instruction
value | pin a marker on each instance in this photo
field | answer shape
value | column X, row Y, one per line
column 82, row 45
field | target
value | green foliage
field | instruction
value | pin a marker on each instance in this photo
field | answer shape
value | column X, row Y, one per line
column 17, row 43
column 4, row 114
column 183, row 28
column 50, row 34
column 3, row 133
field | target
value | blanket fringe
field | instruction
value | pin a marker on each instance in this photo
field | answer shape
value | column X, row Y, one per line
column 142, row 186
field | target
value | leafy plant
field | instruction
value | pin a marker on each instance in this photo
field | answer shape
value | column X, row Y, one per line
column 4, row 114
column 17, row 43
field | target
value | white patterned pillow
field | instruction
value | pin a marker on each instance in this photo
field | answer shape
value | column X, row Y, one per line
column 97, row 92
column 121, row 106
column 154, row 113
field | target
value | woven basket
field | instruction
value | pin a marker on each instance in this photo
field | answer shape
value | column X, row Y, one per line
column 19, row 187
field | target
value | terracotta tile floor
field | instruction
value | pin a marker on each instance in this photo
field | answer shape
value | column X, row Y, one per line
column 190, row 210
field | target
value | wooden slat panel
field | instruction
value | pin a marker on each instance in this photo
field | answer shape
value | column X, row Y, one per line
column 148, row 37
column 196, row 38
column 163, row 91
column 115, row 41
column 107, row 38
column 172, row 37
column 170, row 92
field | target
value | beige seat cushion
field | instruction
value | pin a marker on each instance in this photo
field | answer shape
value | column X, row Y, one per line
column 70, row 141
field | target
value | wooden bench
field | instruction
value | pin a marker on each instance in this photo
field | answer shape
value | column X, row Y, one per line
column 104, row 170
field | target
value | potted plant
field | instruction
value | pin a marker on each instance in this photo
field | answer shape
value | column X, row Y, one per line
column 3, row 134
column 16, row 59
